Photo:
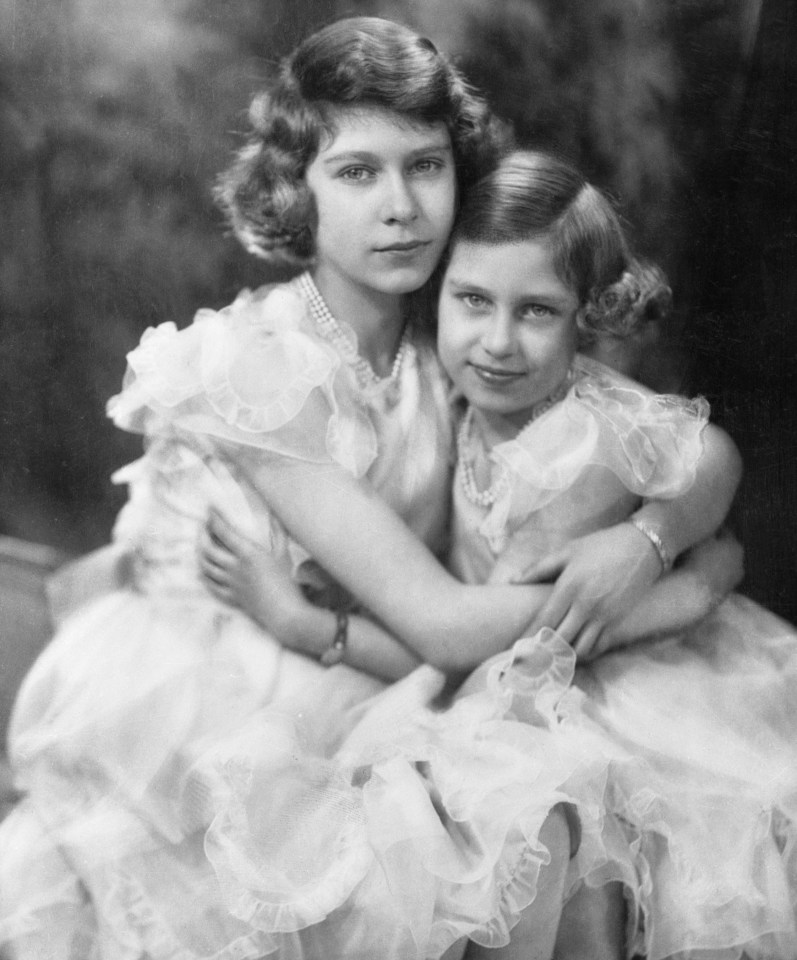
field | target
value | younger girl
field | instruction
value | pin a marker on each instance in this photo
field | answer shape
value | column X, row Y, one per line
column 553, row 446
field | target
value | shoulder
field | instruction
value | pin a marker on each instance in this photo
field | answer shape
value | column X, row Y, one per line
column 604, row 390
column 247, row 373
column 651, row 441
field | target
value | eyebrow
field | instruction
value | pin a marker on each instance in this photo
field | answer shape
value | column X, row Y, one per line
column 368, row 156
column 466, row 285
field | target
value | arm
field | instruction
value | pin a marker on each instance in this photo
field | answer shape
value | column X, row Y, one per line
column 366, row 547
column 603, row 576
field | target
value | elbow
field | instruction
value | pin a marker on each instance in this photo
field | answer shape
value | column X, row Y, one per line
column 727, row 464
column 733, row 460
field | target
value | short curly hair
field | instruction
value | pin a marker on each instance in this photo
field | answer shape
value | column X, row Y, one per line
column 531, row 194
column 357, row 61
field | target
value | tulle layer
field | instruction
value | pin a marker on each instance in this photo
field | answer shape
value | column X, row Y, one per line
column 337, row 817
column 711, row 808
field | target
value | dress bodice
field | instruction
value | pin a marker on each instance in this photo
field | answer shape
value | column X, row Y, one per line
column 580, row 467
column 255, row 380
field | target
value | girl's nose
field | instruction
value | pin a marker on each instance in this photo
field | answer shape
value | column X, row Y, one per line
column 401, row 205
column 498, row 338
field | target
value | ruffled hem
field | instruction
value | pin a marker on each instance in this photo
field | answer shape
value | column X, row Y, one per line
column 709, row 807
column 418, row 828
column 430, row 807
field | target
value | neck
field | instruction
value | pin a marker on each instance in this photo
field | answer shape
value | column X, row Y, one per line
column 377, row 318
column 492, row 428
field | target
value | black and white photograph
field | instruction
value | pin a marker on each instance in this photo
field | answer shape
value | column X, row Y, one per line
column 398, row 480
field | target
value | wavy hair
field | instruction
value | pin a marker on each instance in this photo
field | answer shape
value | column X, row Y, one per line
column 354, row 62
column 531, row 195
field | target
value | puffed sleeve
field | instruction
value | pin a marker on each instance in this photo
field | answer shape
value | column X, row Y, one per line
column 254, row 373
column 651, row 442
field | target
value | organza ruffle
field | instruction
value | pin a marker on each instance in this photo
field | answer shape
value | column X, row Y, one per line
column 255, row 373
column 652, row 443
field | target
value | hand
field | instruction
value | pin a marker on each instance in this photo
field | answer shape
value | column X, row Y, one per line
column 599, row 577
column 243, row 573
column 682, row 598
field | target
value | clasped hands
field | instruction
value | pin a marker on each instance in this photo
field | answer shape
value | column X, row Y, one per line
column 598, row 580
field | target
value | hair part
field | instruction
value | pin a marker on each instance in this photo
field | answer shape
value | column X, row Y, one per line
column 534, row 195
column 354, row 62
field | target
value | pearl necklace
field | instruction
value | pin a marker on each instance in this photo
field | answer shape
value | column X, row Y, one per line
column 346, row 344
column 489, row 496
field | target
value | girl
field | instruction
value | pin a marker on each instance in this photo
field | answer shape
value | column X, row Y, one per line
column 552, row 446
column 125, row 725
column 161, row 735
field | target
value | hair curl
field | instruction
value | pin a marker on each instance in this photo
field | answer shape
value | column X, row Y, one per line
column 354, row 62
column 531, row 194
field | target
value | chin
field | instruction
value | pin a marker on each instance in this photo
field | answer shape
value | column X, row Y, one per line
column 403, row 280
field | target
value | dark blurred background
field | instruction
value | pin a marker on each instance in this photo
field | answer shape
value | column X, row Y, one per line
column 116, row 115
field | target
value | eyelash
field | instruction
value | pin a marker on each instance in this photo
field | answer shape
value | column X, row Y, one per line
column 538, row 310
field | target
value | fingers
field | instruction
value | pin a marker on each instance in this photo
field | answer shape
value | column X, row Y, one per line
column 214, row 553
column 222, row 592
column 587, row 641
column 555, row 611
column 226, row 534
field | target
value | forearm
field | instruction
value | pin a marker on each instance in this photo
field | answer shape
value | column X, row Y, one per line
column 467, row 624
column 455, row 631
column 677, row 601
column 368, row 646
column 360, row 541
column 697, row 514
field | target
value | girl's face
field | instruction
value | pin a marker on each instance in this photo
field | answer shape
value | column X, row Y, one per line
column 385, row 192
column 507, row 328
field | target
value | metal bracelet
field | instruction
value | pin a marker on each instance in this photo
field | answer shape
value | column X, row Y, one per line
column 661, row 550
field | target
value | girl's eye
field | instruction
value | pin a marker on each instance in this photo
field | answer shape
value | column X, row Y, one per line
column 474, row 301
column 428, row 165
column 537, row 311
column 355, row 174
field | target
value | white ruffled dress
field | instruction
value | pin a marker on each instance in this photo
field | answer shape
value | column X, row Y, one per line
column 709, row 807
column 193, row 790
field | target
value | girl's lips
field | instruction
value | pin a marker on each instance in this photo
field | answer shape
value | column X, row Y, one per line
column 496, row 374
column 402, row 247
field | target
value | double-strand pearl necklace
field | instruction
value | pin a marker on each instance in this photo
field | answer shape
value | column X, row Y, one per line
column 486, row 498
column 366, row 377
